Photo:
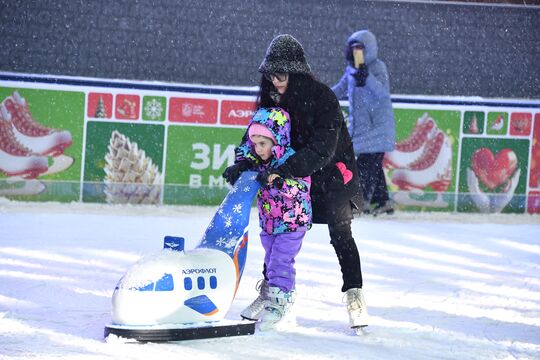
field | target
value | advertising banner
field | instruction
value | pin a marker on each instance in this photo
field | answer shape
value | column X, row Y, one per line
column 107, row 141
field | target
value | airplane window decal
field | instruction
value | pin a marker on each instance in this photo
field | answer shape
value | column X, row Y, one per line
column 200, row 282
column 188, row 284
column 213, row 282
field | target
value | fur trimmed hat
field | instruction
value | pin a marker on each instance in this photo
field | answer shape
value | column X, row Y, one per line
column 284, row 55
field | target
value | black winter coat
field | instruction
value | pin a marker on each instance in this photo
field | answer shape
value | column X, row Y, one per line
column 321, row 140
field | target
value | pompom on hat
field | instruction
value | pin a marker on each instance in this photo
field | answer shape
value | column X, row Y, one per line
column 284, row 55
column 259, row 129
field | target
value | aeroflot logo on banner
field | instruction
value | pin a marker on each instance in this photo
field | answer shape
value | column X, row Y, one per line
column 199, row 271
column 237, row 112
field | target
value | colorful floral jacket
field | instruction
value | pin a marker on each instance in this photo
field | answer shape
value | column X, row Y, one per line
column 287, row 208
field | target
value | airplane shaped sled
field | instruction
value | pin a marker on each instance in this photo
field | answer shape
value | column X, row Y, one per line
column 184, row 295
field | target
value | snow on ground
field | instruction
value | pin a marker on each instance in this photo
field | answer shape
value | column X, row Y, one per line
column 438, row 286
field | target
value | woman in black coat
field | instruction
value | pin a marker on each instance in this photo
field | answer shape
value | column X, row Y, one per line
column 323, row 150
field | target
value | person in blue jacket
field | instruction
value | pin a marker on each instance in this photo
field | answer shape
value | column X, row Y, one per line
column 371, row 119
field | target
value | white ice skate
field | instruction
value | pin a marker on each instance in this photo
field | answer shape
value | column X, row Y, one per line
column 357, row 308
column 255, row 309
column 277, row 310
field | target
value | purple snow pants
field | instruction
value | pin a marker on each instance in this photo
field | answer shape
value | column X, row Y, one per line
column 280, row 251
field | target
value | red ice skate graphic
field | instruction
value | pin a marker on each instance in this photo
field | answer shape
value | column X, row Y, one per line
column 15, row 158
column 433, row 168
column 18, row 163
column 410, row 149
column 38, row 138
column 423, row 160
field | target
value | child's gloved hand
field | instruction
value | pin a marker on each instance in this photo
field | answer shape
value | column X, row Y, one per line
column 361, row 75
column 262, row 177
column 232, row 173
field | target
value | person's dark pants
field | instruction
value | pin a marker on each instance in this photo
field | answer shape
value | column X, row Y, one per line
column 372, row 179
column 347, row 254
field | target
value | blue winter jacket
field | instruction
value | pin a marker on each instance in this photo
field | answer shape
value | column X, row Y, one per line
column 371, row 120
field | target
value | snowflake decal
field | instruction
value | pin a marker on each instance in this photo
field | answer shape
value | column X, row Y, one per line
column 153, row 109
column 231, row 243
column 237, row 208
column 221, row 242
column 228, row 221
column 247, row 189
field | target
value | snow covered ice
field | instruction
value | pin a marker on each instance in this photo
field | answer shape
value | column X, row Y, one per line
column 438, row 286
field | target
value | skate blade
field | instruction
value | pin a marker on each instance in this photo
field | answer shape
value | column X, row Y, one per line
column 284, row 324
column 361, row 330
column 60, row 163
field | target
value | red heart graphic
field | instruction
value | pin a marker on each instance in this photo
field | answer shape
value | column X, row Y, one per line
column 493, row 170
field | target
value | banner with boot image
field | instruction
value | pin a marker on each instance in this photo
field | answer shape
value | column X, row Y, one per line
column 41, row 137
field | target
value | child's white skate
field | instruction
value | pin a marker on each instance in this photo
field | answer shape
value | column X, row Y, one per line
column 255, row 309
column 277, row 311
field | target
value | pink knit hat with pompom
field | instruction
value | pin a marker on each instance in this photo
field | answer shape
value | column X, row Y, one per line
column 259, row 129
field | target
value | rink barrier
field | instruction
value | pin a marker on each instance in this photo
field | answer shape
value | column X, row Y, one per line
column 479, row 155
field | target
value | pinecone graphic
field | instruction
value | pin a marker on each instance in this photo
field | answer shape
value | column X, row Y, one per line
column 131, row 177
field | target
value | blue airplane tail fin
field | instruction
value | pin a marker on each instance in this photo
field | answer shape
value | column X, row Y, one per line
column 229, row 225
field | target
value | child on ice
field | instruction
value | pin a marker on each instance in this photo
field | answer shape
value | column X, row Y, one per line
column 284, row 214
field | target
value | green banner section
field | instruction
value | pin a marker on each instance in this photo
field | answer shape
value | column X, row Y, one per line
column 196, row 158
column 421, row 172
column 138, row 149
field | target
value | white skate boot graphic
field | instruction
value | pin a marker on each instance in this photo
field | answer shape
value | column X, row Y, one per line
column 410, row 149
column 15, row 158
column 36, row 137
column 19, row 164
column 432, row 169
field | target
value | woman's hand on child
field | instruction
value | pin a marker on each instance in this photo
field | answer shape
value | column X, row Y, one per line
column 276, row 180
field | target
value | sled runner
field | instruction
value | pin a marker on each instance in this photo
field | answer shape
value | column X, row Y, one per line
column 184, row 295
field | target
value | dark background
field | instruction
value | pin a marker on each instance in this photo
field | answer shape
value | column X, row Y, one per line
column 430, row 48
